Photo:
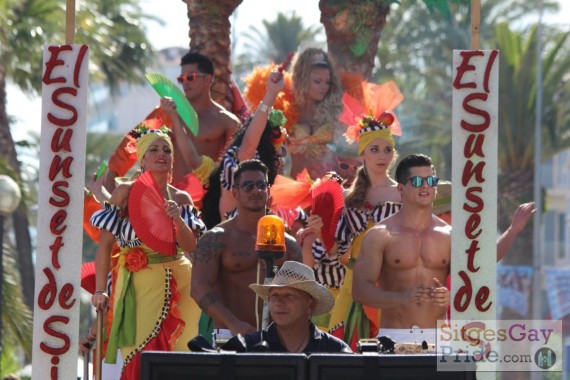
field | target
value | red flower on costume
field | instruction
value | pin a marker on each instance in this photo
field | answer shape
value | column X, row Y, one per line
column 135, row 260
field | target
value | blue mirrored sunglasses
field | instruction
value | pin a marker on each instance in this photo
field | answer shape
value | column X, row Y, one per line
column 417, row 181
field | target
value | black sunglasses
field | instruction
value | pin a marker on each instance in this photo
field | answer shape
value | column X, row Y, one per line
column 418, row 181
column 247, row 186
column 190, row 77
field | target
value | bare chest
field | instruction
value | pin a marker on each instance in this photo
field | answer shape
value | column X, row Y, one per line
column 239, row 252
column 408, row 250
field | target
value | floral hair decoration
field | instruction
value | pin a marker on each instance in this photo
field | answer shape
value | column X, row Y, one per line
column 370, row 128
column 278, row 133
column 145, row 136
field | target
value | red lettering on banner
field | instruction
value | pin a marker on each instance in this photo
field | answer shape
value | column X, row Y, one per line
column 490, row 64
column 64, row 75
column 56, row 222
column 469, row 171
column 471, row 251
column 59, row 192
column 475, row 111
column 55, row 247
column 58, row 144
column 469, row 194
column 473, row 173
column 77, row 70
column 53, row 62
column 57, row 165
column 471, row 225
column 58, row 102
column 56, row 334
column 474, row 145
column 464, row 67
column 463, row 295
column 49, row 291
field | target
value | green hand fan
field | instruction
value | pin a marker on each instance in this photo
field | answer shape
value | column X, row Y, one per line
column 164, row 87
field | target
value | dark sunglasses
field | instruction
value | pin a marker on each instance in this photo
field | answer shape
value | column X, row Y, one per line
column 417, row 181
column 190, row 77
column 247, row 186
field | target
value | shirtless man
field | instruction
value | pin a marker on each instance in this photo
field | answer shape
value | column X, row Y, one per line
column 225, row 262
column 216, row 124
column 405, row 260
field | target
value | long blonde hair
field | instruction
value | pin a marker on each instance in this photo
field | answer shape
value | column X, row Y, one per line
column 330, row 108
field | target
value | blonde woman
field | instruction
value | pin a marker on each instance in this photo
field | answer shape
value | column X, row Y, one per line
column 317, row 94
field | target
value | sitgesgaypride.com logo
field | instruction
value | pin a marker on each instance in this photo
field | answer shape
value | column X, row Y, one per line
column 495, row 345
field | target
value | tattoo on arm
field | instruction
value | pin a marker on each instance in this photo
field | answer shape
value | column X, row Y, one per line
column 207, row 300
column 293, row 250
column 209, row 247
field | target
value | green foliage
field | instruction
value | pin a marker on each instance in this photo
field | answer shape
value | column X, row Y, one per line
column 277, row 39
column 416, row 51
column 119, row 49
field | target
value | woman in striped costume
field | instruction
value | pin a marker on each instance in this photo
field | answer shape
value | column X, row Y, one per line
column 372, row 197
column 151, row 304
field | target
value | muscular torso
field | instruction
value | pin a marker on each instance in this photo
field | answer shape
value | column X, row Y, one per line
column 216, row 125
column 412, row 258
column 238, row 265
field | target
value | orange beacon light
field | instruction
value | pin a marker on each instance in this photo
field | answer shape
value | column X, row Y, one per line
column 270, row 245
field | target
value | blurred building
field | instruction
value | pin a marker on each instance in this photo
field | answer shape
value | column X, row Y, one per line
column 122, row 111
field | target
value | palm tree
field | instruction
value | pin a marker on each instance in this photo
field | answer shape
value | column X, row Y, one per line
column 353, row 29
column 210, row 35
column 284, row 35
column 279, row 38
column 517, row 110
column 119, row 51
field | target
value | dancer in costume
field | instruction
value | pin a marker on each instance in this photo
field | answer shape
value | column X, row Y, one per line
column 217, row 125
column 265, row 139
column 372, row 197
column 152, row 308
column 318, row 104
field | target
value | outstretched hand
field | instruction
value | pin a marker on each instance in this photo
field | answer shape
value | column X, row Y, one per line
column 522, row 215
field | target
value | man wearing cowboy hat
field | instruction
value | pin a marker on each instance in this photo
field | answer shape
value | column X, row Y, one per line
column 294, row 296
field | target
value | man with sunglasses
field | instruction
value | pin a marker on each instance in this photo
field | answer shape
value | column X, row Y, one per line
column 404, row 260
column 216, row 124
column 216, row 127
column 225, row 262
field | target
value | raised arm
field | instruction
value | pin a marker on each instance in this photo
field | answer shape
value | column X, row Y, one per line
column 181, row 138
column 275, row 84
column 520, row 218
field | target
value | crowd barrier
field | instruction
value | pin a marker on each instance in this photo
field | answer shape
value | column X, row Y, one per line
column 267, row 366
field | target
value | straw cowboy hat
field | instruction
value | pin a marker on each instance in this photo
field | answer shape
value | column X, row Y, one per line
column 442, row 201
column 298, row 276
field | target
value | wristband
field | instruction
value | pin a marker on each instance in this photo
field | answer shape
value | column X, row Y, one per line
column 264, row 108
